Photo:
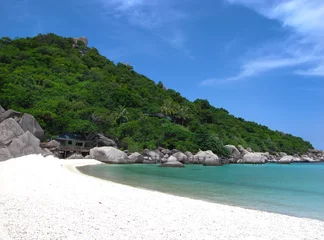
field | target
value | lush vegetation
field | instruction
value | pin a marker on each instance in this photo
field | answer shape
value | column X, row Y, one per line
column 76, row 90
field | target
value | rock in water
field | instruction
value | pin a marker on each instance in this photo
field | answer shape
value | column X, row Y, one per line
column 4, row 154
column 9, row 130
column 136, row 158
column 108, row 155
column 29, row 123
column 253, row 158
column 8, row 114
column 172, row 162
column 286, row 160
column 181, row 157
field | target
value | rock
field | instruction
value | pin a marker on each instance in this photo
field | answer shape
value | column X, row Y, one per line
column 282, row 154
column 87, row 157
column 166, row 151
column 76, row 156
column 4, row 154
column 102, row 141
column 148, row 160
column 52, row 145
column 82, row 39
column 155, row 156
column 180, row 157
column 47, row 152
column 190, row 157
column 164, row 159
column 249, row 149
column 234, row 152
column 2, row 110
column 203, row 156
column 172, row 162
column 25, row 144
column 306, row 158
column 29, row 123
column 9, row 114
column 9, row 130
column 240, row 148
column 108, row 155
column 173, row 151
column 253, row 158
column 136, row 158
column 286, row 160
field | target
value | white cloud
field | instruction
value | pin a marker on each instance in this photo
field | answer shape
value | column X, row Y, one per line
column 303, row 49
column 161, row 18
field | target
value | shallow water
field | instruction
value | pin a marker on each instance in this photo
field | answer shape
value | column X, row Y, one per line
column 295, row 189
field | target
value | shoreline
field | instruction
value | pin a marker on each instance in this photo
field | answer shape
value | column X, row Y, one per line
column 52, row 199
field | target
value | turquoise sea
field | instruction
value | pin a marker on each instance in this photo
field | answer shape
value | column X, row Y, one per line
column 295, row 189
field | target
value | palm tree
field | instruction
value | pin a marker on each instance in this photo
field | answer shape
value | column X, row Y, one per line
column 120, row 115
column 183, row 113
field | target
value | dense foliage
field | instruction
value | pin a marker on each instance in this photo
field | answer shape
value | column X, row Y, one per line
column 76, row 90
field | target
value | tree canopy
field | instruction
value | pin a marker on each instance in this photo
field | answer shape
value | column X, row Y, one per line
column 74, row 89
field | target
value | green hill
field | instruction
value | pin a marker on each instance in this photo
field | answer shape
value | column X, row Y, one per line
column 75, row 89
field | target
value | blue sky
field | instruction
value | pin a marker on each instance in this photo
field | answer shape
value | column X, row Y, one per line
column 261, row 60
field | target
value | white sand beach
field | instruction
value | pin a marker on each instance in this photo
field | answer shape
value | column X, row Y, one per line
column 46, row 198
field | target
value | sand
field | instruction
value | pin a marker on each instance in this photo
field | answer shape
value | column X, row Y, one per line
column 46, row 198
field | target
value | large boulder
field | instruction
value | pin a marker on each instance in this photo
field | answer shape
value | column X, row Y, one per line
column 9, row 114
column 9, row 130
column 52, row 145
column 286, row 160
column 103, row 141
column 283, row 154
column 190, row 157
column 253, row 158
column 108, row 155
column 206, row 156
column 29, row 123
column 235, row 153
column 4, row 154
column 25, row 144
column 136, row 157
column 181, row 157
column 2, row 110
column 172, row 162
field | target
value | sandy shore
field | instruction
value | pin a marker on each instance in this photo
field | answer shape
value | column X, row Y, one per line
column 45, row 198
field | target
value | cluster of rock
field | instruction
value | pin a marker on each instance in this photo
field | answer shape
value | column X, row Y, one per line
column 165, row 157
column 20, row 135
column 241, row 155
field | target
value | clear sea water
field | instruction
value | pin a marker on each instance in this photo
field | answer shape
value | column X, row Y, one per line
column 295, row 189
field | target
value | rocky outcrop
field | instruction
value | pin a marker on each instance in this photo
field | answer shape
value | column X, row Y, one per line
column 1, row 110
column 9, row 114
column 206, row 156
column 101, row 140
column 29, row 123
column 286, row 160
column 9, row 130
column 181, row 157
column 156, row 156
column 172, row 162
column 136, row 157
column 4, row 154
column 190, row 157
column 253, row 158
column 82, row 39
column 25, row 144
column 235, row 153
column 108, row 155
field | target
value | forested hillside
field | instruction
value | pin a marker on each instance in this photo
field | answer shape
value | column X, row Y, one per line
column 77, row 90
